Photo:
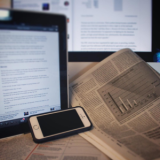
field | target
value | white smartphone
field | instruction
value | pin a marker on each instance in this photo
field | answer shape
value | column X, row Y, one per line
column 59, row 124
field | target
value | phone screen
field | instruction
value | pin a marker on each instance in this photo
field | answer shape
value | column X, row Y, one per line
column 59, row 122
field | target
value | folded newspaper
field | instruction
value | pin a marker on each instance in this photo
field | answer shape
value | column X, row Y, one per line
column 121, row 95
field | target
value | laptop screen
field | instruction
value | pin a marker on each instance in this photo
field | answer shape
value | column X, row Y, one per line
column 29, row 71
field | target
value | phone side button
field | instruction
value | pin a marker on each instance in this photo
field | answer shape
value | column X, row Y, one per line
column 36, row 127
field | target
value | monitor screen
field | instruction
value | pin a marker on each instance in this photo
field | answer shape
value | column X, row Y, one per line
column 101, row 25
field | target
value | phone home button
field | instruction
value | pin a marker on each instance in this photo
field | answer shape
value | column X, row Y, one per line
column 36, row 127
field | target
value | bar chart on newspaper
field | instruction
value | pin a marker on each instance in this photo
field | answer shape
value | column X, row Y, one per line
column 130, row 92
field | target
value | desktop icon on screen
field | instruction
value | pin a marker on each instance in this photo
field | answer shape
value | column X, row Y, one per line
column 45, row 6
column 66, row 3
column 26, row 113
column 22, row 120
column 52, row 109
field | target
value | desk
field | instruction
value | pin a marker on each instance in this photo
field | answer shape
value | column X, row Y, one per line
column 78, row 67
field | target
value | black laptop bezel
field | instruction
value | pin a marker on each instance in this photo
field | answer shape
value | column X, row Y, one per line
column 46, row 20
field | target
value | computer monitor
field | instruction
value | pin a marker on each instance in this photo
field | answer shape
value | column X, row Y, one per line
column 97, row 28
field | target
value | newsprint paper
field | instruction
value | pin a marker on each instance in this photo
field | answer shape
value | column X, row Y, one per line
column 121, row 95
column 22, row 147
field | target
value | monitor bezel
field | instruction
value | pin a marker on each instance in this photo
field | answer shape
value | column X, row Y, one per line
column 46, row 20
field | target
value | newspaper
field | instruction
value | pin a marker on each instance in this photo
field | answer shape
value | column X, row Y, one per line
column 121, row 95
column 22, row 147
